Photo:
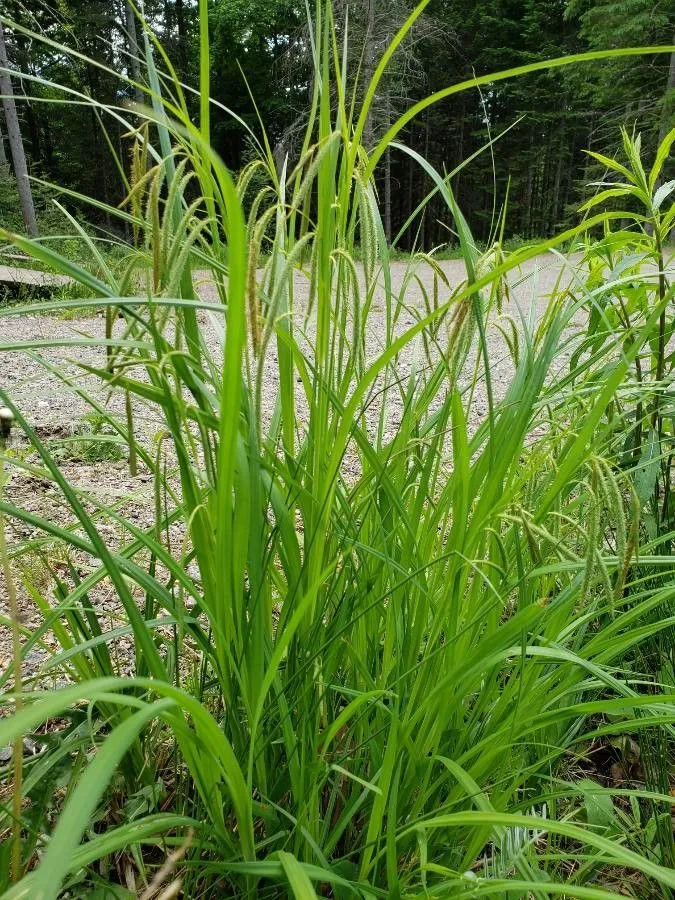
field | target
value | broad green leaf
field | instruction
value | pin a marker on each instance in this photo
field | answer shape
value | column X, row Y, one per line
column 648, row 469
column 600, row 810
column 662, row 155
column 662, row 194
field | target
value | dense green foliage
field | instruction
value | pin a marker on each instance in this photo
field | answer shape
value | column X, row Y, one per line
column 49, row 218
column 261, row 69
column 370, row 656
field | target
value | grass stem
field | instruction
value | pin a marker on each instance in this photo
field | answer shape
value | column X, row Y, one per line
column 17, row 747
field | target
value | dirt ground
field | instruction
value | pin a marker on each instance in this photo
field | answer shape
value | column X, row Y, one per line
column 55, row 411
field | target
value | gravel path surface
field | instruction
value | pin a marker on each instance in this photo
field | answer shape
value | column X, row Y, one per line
column 55, row 412
column 48, row 404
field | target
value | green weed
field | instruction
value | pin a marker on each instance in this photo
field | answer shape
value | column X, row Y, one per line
column 94, row 440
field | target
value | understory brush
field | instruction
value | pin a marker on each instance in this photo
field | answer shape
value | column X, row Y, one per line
column 380, row 646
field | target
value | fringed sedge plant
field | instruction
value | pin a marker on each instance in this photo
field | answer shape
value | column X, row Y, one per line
column 374, row 680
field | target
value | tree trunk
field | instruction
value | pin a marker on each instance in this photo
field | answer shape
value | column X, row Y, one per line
column 134, row 59
column 526, row 217
column 387, row 184
column 556, row 184
column 369, row 69
column 544, row 199
column 47, row 143
column 457, row 181
column 97, row 150
column 410, row 207
column 16, row 143
column 387, row 195
column 426, row 215
column 3, row 152
column 168, row 19
column 182, row 37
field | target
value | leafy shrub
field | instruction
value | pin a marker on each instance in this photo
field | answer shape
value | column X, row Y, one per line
column 49, row 220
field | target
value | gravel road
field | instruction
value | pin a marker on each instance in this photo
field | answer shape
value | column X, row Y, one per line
column 48, row 404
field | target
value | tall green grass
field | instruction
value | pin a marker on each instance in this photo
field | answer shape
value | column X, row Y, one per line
column 369, row 660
